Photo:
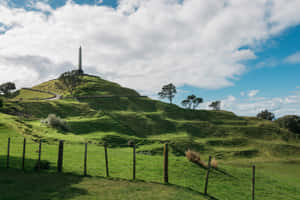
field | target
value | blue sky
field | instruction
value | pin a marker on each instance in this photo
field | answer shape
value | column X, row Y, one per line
column 245, row 54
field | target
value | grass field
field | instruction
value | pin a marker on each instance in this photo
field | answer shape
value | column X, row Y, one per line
column 276, row 180
column 15, row 185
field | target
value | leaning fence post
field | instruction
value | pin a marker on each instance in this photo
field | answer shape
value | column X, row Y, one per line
column 85, row 159
column 8, row 151
column 253, row 182
column 23, row 157
column 60, row 156
column 106, row 160
column 207, row 174
column 39, row 159
column 134, row 161
column 166, row 167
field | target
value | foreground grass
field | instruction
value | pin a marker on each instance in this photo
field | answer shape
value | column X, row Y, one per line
column 33, row 186
column 273, row 180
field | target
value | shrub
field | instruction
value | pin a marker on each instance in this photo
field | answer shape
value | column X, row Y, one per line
column 265, row 114
column 214, row 163
column 194, row 157
column 1, row 103
column 55, row 122
column 291, row 122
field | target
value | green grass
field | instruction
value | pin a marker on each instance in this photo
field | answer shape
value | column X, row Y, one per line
column 32, row 186
column 24, row 94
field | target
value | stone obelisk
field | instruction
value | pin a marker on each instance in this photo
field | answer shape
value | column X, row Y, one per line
column 80, row 62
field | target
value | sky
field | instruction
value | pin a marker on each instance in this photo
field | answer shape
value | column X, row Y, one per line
column 244, row 53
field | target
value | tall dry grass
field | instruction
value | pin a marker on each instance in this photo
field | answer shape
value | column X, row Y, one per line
column 195, row 157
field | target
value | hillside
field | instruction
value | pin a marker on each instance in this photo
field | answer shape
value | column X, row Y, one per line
column 106, row 112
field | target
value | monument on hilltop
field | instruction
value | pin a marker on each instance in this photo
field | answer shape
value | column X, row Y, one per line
column 80, row 71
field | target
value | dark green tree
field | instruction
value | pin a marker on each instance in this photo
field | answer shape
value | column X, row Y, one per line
column 6, row 88
column 215, row 105
column 71, row 80
column 291, row 122
column 168, row 91
column 265, row 114
column 191, row 102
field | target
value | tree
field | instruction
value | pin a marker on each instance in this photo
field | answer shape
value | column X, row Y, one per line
column 168, row 91
column 6, row 88
column 191, row 102
column 291, row 122
column 265, row 114
column 71, row 80
column 1, row 103
column 216, row 105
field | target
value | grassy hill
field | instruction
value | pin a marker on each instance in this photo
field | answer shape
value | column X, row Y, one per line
column 105, row 112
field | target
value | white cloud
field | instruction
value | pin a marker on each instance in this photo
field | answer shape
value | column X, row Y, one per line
column 144, row 44
column 294, row 58
column 42, row 6
column 280, row 106
column 253, row 93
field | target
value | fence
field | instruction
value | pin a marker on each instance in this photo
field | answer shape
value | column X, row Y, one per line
column 100, row 160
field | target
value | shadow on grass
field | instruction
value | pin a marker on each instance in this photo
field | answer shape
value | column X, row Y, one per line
column 15, row 184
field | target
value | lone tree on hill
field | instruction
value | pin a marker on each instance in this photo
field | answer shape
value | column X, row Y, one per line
column 291, row 122
column 71, row 80
column 216, row 105
column 168, row 91
column 6, row 88
column 191, row 102
column 265, row 114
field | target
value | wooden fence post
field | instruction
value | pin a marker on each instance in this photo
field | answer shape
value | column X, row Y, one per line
column 166, row 167
column 39, row 159
column 85, row 159
column 253, row 182
column 134, row 161
column 23, row 157
column 8, row 152
column 60, row 156
column 106, row 160
column 207, row 174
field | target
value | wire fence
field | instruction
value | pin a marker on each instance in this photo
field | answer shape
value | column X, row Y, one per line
column 124, row 163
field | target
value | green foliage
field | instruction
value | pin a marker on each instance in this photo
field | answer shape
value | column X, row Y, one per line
column 168, row 91
column 192, row 102
column 291, row 122
column 215, row 105
column 55, row 122
column 71, row 80
column 6, row 88
column 265, row 114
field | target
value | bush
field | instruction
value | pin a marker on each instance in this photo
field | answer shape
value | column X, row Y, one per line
column 55, row 122
column 1, row 103
column 214, row 163
column 194, row 157
column 265, row 114
column 291, row 122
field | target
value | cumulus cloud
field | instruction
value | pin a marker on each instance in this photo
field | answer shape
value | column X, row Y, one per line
column 294, row 58
column 253, row 93
column 144, row 44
